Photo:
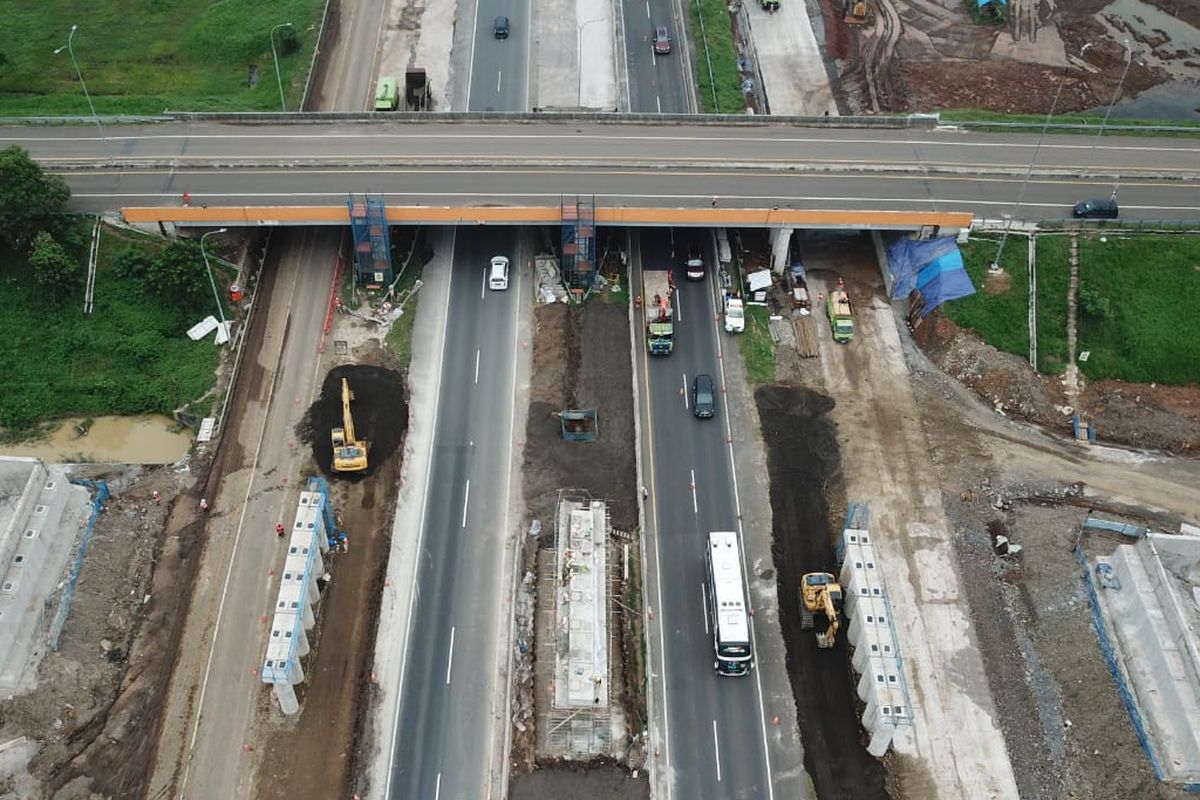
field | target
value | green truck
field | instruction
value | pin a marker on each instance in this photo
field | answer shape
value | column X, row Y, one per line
column 658, row 290
column 841, row 314
column 387, row 94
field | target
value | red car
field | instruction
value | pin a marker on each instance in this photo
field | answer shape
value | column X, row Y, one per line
column 662, row 40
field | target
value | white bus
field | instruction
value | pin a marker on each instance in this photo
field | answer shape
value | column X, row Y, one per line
column 727, row 609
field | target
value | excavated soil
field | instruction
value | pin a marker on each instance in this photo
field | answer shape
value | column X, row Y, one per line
column 580, row 360
column 804, row 466
column 379, row 408
column 1165, row 418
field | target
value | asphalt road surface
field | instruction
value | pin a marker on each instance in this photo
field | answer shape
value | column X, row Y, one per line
column 500, row 67
column 646, row 165
column 443, row 743
column 451, row 691
column 716, row 745
column 657, row 83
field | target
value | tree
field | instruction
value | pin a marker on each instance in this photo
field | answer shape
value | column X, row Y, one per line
column 55, row 270
column 30, row 200
column 177, row 274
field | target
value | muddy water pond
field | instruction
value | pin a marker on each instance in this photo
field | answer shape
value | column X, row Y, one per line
column 151, row 439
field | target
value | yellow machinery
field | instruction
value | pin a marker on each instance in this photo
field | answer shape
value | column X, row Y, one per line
column 349, row 454
column 821, row 593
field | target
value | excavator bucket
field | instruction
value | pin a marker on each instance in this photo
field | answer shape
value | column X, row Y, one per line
column 856, row 12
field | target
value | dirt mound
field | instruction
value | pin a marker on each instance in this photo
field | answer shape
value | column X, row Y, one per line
column 581, row 782
column 805, row 472
column 1155, row 417
column 380, row 409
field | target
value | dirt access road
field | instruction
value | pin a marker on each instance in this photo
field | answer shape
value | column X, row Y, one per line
column 902, row 425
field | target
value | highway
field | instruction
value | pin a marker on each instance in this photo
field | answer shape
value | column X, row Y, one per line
column 662, row 166
column 452, row 686
column 658, row 84
column 716, row 746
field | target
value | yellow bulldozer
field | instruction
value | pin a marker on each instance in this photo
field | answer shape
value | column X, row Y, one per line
column 349, row 454
column 820, row 593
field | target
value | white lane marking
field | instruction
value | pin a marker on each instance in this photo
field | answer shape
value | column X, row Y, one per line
column 499, row 76
column 237, row 538
column 704, row 605
column 450, row 658
column 737, row 505
column 658, row 102
column 476, row 367
column 437, row 791
column 412, row 597
column 695, row 507
column 466, row 500
column 678, row 306
column 685, row 392
column 653, row 58
column 647, row 9
column 483, row 285
column 716, row 751
column 471, row 63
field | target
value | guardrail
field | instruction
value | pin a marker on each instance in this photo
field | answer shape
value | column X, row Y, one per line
column 911, row 121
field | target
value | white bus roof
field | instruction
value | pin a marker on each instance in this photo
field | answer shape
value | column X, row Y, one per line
column 733, row 624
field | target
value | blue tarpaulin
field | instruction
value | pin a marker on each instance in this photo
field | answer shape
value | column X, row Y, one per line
column 934, row 267
column 982, row 3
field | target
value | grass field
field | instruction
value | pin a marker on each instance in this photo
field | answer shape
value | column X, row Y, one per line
column 399, row 338
column 720, row 49
column 153, row 55
column 130, row 356
column 1136, row 307
column 758, row 348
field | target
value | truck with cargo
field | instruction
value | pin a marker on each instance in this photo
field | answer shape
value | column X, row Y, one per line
column 735, row 313
column 658, row 289
column 841, row 313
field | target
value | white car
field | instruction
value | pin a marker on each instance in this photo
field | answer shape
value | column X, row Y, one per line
column 498, row 275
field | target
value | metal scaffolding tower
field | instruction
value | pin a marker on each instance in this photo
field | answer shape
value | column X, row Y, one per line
column 372, row 242
column 578, row 242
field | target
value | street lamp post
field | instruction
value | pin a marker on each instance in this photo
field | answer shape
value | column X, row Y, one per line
column 275, row 56
column 212, row 282
column 1113, row 102
column 71, row 51
column 579, row 58
column 1062, row 81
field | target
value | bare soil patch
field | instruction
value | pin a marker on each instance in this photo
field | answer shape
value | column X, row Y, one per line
column 803, row 463
column 380, row 412
column 580, row 360
column 1165, row 418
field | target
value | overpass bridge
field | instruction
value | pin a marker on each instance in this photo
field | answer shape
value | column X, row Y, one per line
column 897, row 173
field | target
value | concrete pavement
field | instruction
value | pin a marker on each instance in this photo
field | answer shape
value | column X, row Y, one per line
column 790, row 59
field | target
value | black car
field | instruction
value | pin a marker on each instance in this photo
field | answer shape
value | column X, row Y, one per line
column 1102, row 208
column 500, row 27
column 704, row 397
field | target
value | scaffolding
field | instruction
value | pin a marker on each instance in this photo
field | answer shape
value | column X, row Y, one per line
column 578, row 243
column 372, row 242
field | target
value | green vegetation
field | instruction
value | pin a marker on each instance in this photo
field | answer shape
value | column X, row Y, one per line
column 1074, row 118
column 758, row 348
column 998, row 310
column 399, row 338
column 1135, row 307
column 153, row 55
column 993, row 13
column 715, row 41
column 129, row 356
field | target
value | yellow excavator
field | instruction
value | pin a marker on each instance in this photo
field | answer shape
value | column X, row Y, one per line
column 821, row 593
column 349, row 454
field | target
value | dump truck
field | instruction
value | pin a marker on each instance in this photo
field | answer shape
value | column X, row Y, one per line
column 659, row 290
column 416, row 89
column 735, row 314
column 387, row 94
column 841, row 313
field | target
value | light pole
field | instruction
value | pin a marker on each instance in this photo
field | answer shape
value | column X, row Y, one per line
column 1113, row 102
column 1062, row 81
column 211, row 281
column 275, row 56
column 579, row 58
column 71, row 51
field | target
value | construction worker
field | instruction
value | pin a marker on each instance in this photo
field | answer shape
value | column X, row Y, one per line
column 279, row 529
column 203, row 505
